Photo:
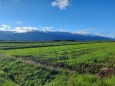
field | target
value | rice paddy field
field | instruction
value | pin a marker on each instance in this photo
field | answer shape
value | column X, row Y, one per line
column 64, row 63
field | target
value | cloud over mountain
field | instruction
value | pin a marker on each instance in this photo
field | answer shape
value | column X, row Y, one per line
column 25, row 29
column 44, row 29
column 46, row 36
column 5, row 27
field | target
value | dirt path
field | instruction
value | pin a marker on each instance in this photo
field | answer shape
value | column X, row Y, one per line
column 47, row 66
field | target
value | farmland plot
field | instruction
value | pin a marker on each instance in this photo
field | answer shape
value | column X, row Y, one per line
column 57, row 64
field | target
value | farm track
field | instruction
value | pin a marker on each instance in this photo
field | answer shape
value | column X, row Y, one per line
column 48, row 66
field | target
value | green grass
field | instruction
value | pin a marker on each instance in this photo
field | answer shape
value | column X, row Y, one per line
column 57, row 63
column 81, row 80
column 5, row 80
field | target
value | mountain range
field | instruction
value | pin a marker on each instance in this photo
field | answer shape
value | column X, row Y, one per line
column 48, row 36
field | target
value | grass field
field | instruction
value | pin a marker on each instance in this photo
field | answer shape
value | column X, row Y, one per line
column 57, row 63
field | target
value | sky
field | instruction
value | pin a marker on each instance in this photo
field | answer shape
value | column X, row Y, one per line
column 76, row 16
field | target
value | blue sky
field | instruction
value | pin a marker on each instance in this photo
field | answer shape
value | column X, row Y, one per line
column 78, row 16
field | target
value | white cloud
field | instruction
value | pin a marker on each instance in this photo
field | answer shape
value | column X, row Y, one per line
column 85, row 32
column 46, row 28
column 25, row 29
column 51, row 29
column 5, row 27
column 105, row 35
column 88, row 32
column 82, row 32
column 18, row 22
column 17, row 29
column 62, row 4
